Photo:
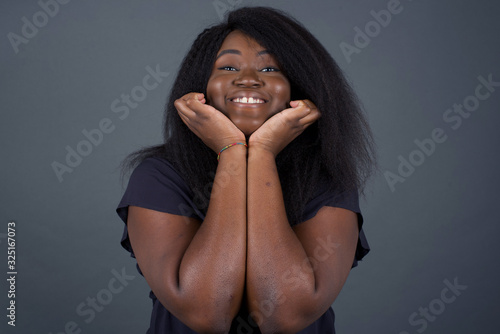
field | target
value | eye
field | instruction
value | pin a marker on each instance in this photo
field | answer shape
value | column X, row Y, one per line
column 227, row 68
column 270, row 69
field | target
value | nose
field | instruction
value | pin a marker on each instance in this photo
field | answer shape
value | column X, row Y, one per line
column 248, row 78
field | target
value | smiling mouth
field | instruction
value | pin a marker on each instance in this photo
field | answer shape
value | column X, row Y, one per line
column 248, row 100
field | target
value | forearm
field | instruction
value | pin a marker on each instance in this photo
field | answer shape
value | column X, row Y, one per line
column 278, row 272
column 212, row 270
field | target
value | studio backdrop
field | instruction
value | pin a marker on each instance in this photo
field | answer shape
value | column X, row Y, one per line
column 84, row 83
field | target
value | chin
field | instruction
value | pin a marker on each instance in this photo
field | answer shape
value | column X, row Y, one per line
column 247, row 132
column 247, row 129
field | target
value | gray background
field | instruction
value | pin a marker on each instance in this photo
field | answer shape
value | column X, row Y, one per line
column 440, row 224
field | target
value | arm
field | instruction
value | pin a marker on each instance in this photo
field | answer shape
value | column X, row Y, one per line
column 293, row 275
column 198, row 271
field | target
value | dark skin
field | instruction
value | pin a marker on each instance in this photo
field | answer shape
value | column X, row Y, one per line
column 245, row 246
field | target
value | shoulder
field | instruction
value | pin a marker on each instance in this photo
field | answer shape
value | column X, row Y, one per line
column 156, row 173
column 328, row 195
column 155, row 184
column 155, row 166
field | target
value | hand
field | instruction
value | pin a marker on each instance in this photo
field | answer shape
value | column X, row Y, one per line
column 279, row 130
column 209, row 124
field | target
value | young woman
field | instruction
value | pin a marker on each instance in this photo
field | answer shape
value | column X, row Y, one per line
column 246, row 218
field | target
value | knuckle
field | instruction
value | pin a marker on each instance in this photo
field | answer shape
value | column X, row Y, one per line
column 290, row 122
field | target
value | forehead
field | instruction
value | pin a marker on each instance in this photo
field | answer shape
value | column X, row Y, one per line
column 237, row 40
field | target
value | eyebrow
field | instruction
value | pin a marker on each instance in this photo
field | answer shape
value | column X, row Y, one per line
column 238, row 52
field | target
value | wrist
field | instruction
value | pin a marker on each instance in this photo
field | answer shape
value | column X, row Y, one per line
column 232, row 149
column 260, row 152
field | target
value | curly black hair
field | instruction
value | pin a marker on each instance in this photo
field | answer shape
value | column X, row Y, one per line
column 338, row 149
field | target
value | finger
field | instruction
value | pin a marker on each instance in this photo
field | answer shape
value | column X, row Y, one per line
column 307, row 113
column 309, row 107
column 192, row 107
column 304, row 102
column 183, row 109
column 311, row 118
column 310, row 104
column 300, row 109
column 200, row 97
column 184, row 119
column 191, row 99
column 201, row 109
column 194, row 95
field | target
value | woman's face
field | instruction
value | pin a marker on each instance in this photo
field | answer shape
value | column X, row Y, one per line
column 246, row 83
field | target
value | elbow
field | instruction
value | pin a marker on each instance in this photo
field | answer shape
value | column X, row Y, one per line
column 209, row 324
column 289, row 322
column 281, row 326
column 208, row 320
column 205, row 314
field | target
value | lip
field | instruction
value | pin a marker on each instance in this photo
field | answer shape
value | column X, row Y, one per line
column 253, row 95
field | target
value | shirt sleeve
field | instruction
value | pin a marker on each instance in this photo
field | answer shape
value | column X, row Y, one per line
column 155, row 184
column 346, row 200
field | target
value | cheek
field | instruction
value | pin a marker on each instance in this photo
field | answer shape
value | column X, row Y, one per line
column 282, row 92
column 214, row 92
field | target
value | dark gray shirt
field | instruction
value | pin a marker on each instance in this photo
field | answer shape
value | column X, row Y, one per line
column 156, row 185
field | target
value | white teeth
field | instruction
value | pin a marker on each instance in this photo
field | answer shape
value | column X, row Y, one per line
column 247, row 100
